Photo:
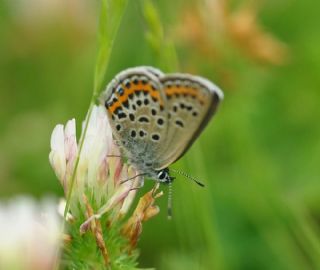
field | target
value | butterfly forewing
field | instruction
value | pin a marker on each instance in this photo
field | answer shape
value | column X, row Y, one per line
column 191, row 102
column 136, row 106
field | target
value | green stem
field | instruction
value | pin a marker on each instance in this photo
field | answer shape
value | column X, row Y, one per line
column 110, row 18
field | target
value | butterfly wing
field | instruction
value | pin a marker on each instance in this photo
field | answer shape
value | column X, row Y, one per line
column 191, row 102
column 135, row 105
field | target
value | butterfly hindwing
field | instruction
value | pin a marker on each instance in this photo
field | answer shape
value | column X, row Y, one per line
column 191, row 102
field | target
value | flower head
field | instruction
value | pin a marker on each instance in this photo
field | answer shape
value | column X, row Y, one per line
column 100, row 168
column 101, row 196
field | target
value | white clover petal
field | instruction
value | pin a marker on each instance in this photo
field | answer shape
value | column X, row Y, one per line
column 70, row 141
column 71, row 149
column 96, row 146
column 57, row 155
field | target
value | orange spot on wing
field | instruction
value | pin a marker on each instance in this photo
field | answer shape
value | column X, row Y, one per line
column 134, row 88
column 185, row 91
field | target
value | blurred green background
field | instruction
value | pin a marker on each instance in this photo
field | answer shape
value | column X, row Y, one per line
column 259, row 157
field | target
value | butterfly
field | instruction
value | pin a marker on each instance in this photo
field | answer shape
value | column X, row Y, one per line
column 156, row 117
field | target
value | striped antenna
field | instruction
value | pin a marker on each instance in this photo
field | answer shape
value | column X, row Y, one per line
column 188, row 177
column 170, row 200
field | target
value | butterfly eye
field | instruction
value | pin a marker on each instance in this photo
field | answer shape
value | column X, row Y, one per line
column 162, row 175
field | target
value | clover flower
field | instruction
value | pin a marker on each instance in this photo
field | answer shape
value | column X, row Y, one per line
column 100, row 169
column 29, row 233
column 101, row 196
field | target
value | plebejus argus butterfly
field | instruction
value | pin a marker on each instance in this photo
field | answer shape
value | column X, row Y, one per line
column 156, row 117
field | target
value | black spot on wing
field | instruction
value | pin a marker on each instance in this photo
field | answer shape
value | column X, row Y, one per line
column 108, row 103
column 131, row 117
column 145, row 92
column 179, row 123
column 122, row 115
column 155, row 137
column 142, row 133
column 153, row 111
column 175, row 108
column 143, row 119
column 126, row 104
column 128, row 84
column 120, row 91
column 133, row 133
column 138, row 93
column 160, row 121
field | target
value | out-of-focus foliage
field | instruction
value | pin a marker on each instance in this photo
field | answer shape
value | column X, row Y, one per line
column 259, row 157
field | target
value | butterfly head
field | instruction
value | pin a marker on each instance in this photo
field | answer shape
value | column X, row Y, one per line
column 163, row 176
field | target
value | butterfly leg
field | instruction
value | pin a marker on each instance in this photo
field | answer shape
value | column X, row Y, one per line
column 131, row 178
